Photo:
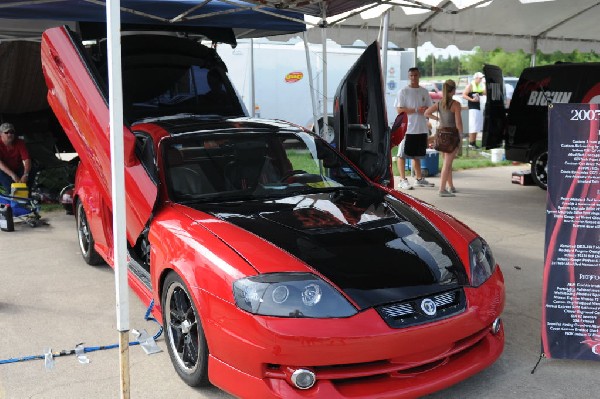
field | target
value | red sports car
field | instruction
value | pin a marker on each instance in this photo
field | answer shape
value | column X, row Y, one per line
column 282, row 266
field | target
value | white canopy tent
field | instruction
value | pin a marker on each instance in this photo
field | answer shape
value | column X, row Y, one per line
column 529, row 25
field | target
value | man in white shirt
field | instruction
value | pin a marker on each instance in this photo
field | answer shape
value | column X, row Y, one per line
column 414, row 101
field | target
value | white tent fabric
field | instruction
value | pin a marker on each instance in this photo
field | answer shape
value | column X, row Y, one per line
column 548, row 25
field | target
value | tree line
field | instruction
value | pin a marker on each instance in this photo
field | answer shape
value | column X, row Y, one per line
column 512, row 64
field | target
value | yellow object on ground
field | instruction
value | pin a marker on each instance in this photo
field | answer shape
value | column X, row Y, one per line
column 19, row 190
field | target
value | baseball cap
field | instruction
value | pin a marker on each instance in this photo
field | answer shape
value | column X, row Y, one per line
column 6, row 127
column 477, row 75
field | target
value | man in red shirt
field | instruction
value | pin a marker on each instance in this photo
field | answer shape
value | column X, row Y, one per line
column 14, row 158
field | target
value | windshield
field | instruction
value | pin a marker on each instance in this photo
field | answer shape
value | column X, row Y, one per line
column 247, row 165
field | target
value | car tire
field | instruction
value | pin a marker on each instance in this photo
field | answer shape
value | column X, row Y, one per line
column 184, row 335
column 85, row 239
column 539, row 168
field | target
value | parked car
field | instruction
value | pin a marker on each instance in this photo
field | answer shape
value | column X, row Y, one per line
column 511, row 80
column 434, row 89
column 280, row 267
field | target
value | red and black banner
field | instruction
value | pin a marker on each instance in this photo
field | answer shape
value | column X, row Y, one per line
column 571, row 293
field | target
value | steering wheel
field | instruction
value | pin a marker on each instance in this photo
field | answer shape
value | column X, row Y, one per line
column 291, row 173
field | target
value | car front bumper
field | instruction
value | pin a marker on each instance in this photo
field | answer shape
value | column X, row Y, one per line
column 356, row 357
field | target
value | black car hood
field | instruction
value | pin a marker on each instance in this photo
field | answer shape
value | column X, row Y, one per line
column 375, row 248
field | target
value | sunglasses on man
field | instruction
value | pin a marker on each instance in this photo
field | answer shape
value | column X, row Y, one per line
column 9, row 132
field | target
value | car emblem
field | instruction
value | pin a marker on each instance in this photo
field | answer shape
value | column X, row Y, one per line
column 428, row 307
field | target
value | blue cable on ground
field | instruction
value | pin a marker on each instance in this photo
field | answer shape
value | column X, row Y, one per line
column 88, row 349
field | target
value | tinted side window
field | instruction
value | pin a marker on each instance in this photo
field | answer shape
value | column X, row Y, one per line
column 179, row 89
column 168, row 75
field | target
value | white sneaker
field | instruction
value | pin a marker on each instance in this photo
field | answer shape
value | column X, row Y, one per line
column 423, row 183
column 405, row 185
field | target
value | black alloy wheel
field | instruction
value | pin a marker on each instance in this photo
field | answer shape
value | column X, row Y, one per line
column 184, row 334
column 86, row 241
column 539, row 169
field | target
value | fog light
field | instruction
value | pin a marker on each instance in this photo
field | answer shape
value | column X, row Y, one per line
column 496, row 326
column 303, row 379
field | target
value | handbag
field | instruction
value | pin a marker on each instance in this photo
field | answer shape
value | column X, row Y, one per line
column 446, row 139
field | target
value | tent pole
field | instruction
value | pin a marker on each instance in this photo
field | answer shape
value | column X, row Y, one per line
column 384, row 50
column 252, row 86
column 415, row 42
column 534, row 47
column 311, row 86
column 384, row 46
column 117, row 158
column 324, row 40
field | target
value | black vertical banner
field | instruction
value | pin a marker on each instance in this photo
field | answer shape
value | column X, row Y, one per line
column 571, row 293
column 494, row 114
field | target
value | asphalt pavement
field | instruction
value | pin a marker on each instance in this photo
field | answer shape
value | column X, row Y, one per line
column 49, row 298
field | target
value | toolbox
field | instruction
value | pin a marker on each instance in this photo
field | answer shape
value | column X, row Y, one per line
column 19, row 190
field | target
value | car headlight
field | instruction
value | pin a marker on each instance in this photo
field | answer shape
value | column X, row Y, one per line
column 482, row 261
column 290, row 295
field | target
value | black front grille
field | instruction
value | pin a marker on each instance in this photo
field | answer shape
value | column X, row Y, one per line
column 410, row 312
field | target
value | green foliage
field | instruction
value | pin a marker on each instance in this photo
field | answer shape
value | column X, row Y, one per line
column 436, row 66
column 512, row 64
column 557, row 56
column 472, row 63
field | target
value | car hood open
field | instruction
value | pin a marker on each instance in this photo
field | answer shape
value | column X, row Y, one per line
column 373, row 247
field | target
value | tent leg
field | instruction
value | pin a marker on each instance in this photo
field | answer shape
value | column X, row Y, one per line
column 384, row 45
column 534, row 47
column 117, row 165
column 384, row 42
column 415, row 43
column 324, row 40
column 252, row 87
column 311, row 86
column 124, row 363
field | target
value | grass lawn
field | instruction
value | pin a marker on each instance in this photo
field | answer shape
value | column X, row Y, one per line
column 474, row 159
column 51, row 207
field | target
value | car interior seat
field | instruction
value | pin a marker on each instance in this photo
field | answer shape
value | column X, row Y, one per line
column 186, row 179
column 244, row 172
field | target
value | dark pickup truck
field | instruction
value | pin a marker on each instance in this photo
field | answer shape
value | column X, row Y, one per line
column 524, row 128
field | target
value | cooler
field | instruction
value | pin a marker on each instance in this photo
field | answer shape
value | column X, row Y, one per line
column 430, row 165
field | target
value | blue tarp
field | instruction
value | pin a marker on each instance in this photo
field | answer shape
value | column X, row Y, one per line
column 232, row 14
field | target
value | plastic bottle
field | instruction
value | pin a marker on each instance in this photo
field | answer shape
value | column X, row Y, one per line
column 6, row 218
